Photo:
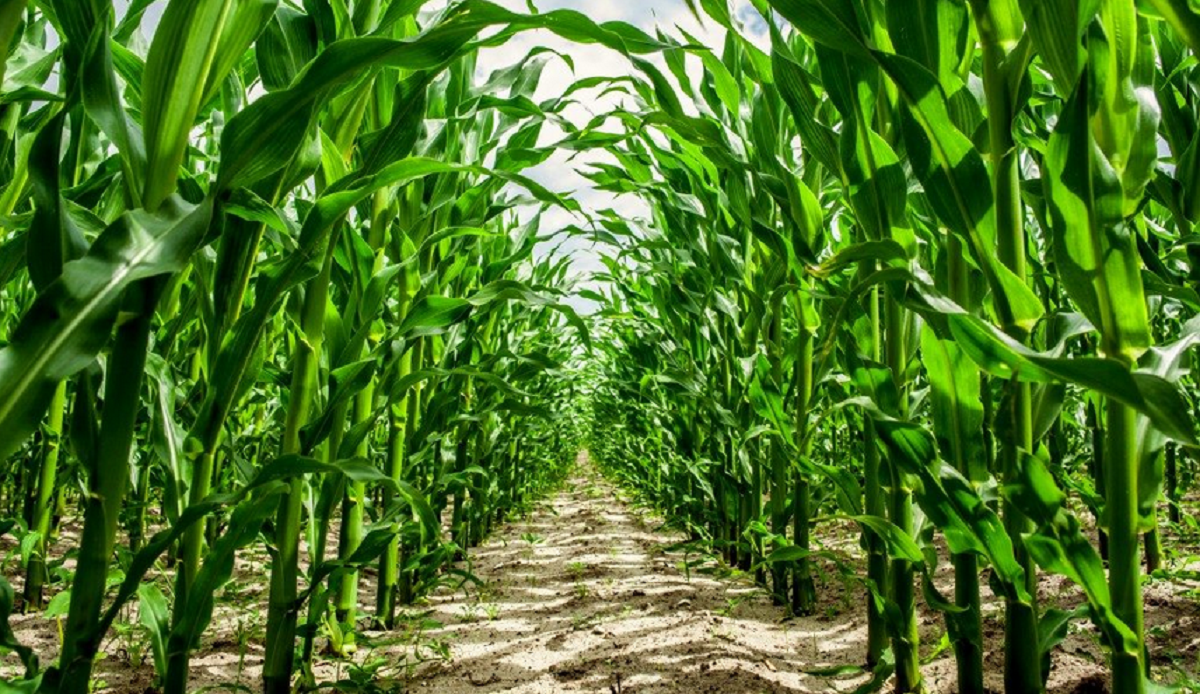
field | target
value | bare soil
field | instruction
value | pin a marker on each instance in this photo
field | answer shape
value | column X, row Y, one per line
column 588, row 594
column 582, row 597
column 588, row 602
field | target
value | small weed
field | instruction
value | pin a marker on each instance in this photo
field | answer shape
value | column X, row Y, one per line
column 244, row 630
column 731, row 605
column 130, row 638
column 469, row 614
column 488, row 592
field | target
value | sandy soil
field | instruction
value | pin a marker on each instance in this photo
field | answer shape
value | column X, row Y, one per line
column 583, row 597
column 586, row 595
column 580, row 598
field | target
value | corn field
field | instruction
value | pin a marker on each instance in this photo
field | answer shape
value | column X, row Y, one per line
column 282, row 303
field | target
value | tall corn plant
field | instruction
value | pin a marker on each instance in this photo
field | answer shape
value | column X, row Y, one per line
column 889, row 82
column 265, row 130
column 1099, row 160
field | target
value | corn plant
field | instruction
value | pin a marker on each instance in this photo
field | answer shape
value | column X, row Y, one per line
column 944, row 201
column 274, row 280
column 238, row 245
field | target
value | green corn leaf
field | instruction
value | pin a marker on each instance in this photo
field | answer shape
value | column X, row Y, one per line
column 72, row 319
column 8, row 639
column 1057, row 29
column 155, row 616
column 876, row 185
column 347, row 381
column 396, row 141
column 287, row 44
column 724, row 83
column 177, row 69
column 167, row 436
column 12, row 256
column 1169, row 362
column 767, row 400
column 53, row 237
column 102, row 100
column 900, row 544
column 433, row 315
column 948, row 499
column 1059, row 545
column 956, row 405
column 10, row 20
column 77, row 20
column 242, row 27
column 832, row 23
column 1003, row 356
column 245, row 524
column 957, row 184
column 1094, row 247
column 263, row 137
column 1184, row 18
column 932, row 33
column 795, row 86
column 792, row 553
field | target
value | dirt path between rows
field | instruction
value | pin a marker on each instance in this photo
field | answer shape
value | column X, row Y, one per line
column 580, row 597
column 585, row 595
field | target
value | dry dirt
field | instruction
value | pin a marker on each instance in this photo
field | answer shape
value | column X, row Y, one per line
column 585, row 595
column 587, row 602
column 582, row 597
